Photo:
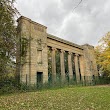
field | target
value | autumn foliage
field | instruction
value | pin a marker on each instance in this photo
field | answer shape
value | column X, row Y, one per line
column 103, row 55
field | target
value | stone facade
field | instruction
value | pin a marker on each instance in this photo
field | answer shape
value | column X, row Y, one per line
column 35, row 67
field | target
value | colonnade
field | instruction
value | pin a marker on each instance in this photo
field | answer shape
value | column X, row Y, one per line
column 78, row 63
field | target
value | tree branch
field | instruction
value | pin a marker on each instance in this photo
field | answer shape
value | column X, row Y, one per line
column 77, row 5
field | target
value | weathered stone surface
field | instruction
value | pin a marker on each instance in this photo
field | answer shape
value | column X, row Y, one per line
column 90, row 61
column 36, row 56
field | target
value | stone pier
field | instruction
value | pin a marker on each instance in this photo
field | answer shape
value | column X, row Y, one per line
column 33, row 66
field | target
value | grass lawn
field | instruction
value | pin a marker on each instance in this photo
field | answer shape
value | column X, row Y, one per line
column 74, row 98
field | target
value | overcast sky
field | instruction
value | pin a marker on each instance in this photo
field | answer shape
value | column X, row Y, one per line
column 86, row 24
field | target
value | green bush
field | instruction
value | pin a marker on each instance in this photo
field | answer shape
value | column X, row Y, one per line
column 8, row 85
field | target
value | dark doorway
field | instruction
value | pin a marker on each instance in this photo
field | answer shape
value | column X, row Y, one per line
column 93, row 80
column 39, row 79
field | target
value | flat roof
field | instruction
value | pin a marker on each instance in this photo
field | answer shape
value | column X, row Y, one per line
column 64, row 41
column 22, row 17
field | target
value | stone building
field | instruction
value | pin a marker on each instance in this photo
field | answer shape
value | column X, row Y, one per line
column 39, row 48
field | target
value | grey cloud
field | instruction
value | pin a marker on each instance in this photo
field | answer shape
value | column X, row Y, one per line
column 86, row 24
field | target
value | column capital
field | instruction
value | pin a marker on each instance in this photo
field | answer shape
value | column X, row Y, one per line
column 54, row 49
column 76, row 54
column 69, row 53
column 62, row 51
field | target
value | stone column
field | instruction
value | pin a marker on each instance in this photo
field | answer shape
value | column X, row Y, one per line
column 62, row 65
column 53, row 65
column 77, row 67
column 82, row 66
column 70, row 65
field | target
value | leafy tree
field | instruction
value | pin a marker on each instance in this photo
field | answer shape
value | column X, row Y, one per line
column 7, row 36
column 103, row 54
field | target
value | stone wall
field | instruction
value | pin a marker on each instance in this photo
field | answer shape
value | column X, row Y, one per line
column 36, row 59
column 90, row 61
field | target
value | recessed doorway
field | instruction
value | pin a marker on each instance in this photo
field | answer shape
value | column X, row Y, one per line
column 39, row 79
